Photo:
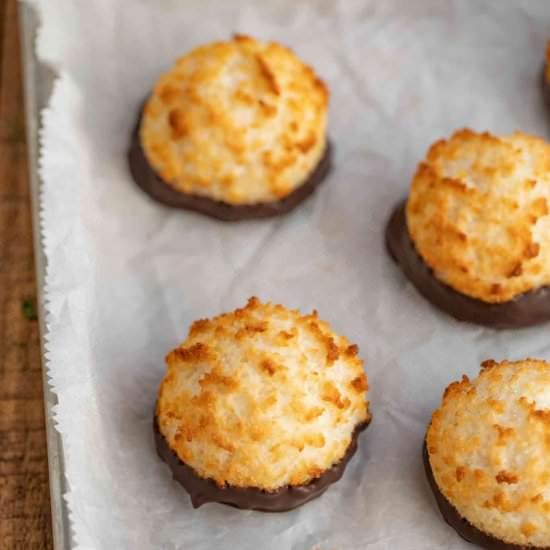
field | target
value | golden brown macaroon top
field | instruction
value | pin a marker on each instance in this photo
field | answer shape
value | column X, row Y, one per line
column 242, row 122
column 478, row 213
column 489, row 450
column 262, row 397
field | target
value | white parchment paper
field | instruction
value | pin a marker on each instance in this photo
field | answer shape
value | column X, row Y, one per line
column 126, row 276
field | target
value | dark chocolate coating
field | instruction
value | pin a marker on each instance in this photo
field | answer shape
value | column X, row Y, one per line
column 530, row 308
column 461, row 525
column 545, row 86
column 286, row 498
column 150, row 182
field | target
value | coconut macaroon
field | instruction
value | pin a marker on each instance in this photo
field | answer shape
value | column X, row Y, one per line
column 261, row 408
column 487, row 458
column 477, row 217
column 235, row 129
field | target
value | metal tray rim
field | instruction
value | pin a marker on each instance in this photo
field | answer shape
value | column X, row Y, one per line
column 38, row 81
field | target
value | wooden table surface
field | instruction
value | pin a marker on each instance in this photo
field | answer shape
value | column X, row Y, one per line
column 24, row 495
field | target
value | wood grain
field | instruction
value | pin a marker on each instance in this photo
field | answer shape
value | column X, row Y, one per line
column 24, row 495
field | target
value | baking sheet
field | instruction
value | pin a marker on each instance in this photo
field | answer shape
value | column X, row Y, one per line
column 127, row 276
column 38, row 80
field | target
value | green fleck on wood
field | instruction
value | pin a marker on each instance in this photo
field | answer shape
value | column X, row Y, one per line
column 29, row 309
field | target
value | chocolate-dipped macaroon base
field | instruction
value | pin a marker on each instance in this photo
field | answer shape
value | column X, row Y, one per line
column 150, row 182
column 461, row 525
column 530, row 308
column 545, row 86
column 286, row 498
